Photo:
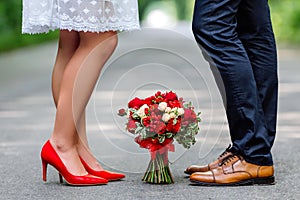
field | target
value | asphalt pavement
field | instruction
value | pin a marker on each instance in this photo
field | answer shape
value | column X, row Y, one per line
column 145, row 61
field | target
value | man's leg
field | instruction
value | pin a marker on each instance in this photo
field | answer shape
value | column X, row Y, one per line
column 255, row 31
column 214, row 27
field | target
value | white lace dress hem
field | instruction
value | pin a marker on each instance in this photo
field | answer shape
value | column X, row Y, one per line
column 36, row 28
column 42, row 16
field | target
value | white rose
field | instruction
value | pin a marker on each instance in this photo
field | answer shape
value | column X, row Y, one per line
column 162, row 106
column 166, row 117
column 180, row 111
column 141, row 110
column 174, row 109
column 168, row 109
column 172, row 115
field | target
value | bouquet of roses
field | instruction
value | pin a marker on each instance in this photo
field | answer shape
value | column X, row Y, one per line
column 156, row 121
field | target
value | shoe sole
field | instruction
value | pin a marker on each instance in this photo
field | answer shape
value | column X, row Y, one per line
column 264, row 181
column 188, row 173
column 255, row 181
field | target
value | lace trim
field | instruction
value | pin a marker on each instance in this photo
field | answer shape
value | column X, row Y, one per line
column 44, row 26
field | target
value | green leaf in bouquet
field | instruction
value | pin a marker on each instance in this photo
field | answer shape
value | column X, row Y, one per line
column 143, row 134
column 169, row 135
column 188, row 105
column 187, row 138
column 161, row 138
column 174, row 121
column 193, row 125
column 132, row 110
column 138, row 129
column 150, row 134
column 141, row 130
column 134, row 113
column 194, row 141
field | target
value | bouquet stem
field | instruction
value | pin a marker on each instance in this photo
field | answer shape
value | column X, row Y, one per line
column 158, row 171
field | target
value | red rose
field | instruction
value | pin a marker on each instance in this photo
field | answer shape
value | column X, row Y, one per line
column 155, row 117
column 131, row 126
column 171, row 96
column 185, row 123
column 154, row 109
column 160, row 127
column 149, row 100
column 146, row 121
column 155, row 141
column 175, row 103
column 158, row 93
column 159, row 99
column 136, row 103
column 173, row 128
column 146, row 111
column 122, row 112
column 157, row 126
column 189, row 115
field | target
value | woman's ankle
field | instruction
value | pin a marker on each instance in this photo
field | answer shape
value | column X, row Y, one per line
column 86, row 154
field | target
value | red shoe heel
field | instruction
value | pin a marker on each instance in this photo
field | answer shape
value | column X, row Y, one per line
column 49, row 156
column 110, row 176
column 60, row 178
column 44, row 164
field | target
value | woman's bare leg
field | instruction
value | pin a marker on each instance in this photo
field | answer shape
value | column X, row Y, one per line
column 74, row 92
column 68, row 44
column 99, row 55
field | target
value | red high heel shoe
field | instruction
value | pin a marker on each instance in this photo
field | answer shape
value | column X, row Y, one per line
column 110, row 176
column 49, row 156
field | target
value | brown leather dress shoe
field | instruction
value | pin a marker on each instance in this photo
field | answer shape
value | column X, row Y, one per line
column 235, row 171
column 198, row 168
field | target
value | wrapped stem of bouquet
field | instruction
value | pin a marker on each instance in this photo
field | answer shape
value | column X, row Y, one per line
column 158, row 120
column 158, row 170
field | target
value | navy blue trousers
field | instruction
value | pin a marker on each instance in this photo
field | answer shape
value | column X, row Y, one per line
column 237, row 39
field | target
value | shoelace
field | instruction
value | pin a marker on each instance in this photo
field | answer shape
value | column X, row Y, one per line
column 229, row 159
column 225, row 152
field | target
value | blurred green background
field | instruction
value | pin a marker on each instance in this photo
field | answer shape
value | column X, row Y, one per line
column 285, row 16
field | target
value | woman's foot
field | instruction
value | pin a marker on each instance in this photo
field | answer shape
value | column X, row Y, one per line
column 92, row 165
column 70, row 158
column 108, row 175
column 85, row 153
column 50, row 156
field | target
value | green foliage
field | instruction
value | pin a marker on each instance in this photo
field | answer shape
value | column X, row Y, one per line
column 10, row 27
column 286, row 20
column 183, row 7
